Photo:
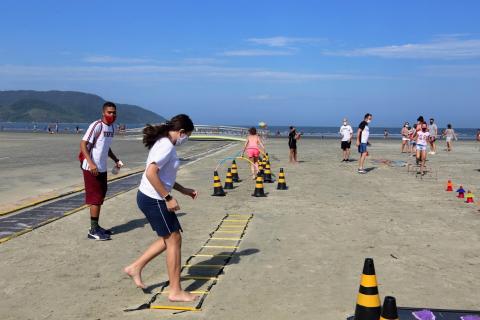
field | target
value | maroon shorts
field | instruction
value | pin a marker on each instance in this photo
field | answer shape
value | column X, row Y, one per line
column 95, row 187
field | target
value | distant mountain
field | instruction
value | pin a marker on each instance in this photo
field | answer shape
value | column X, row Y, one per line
column 65, row 106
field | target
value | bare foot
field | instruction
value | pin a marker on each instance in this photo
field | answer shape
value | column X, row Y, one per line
column 182, row 296
column 136, row 276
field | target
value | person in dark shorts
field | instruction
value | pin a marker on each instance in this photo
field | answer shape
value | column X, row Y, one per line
column 362, row 141
column 94, row 152
column 346, row 132
column 293, row 136
column 159, row 206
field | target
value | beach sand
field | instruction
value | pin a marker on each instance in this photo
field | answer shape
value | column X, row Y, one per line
column 309, row 242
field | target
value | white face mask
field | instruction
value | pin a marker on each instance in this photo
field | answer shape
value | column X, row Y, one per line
column 368, row 121
column 181, row 140
column 344, row 123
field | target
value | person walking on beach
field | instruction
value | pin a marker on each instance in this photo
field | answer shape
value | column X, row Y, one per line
column 385, row 134
column 253, row 146
column 346, row 132
column 362, row 141
column 422, row 141
column 293, row 136
column 159, row 206
column 405, row 138
column 449, row 135
column 94, row 151
column 433, row 129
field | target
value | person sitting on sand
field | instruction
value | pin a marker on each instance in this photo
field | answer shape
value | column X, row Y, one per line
column 422, row 141
column 159, row 206
column 252, row 147
column 449, row 135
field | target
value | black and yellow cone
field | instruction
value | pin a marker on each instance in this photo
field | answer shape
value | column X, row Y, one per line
column 261, row 172
column 368, row 301
column 217, row 186
column 259, row 192
column 267, row 177
column 228, row 180
column 282, row 184
column 235, row 176
column 389, row 310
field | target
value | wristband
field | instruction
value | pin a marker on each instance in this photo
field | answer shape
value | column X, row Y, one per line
column 168, row 197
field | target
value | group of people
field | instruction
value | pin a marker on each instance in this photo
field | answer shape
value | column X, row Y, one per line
column 153, row 197
column 410, row 137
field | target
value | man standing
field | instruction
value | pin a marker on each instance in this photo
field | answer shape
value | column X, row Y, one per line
column 433, row 129
column 346, row 132
column 293, row 136
column 362, row 140
column 95, row 149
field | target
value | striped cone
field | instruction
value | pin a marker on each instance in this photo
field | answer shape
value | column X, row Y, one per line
column 217, row 186
column 282, row 184
column 368, row 301
column 235, row 176
column 259, row 192
column 260, row 169
column 389, row 310
column 267, row 177
column 228, row 180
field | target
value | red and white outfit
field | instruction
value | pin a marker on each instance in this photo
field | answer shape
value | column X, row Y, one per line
column 422, row 140
column 99, row 137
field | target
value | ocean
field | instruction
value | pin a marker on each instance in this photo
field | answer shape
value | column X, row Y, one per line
column 317, row 132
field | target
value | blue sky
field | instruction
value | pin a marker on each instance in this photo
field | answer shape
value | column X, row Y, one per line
column 241, row 62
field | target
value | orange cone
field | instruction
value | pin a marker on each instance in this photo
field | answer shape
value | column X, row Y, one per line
column 449, row 185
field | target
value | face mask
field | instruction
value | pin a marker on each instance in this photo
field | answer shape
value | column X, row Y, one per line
column 109, row 118
column 431, row 122
column 344, row 123
column 424, row 129
column 368, row 121
column 181, row 140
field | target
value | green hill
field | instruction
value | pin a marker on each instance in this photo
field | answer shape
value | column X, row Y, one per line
column 65, row 106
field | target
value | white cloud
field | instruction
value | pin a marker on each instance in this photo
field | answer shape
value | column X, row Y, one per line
column 257, row 53
column 451, row 71
column 201, row 61
column 262, row 97
column 444, row 48
column 115, row 60
column 160, row 73
column 283, row 41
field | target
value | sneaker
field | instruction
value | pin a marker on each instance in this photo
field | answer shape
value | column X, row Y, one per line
column 106, row 231
column 98, row 234
column 362, row 171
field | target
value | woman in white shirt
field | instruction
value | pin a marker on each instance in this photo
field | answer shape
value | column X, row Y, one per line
column 155, row 201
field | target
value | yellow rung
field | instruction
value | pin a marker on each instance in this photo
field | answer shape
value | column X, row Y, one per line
column 212, row 266
column 221, row 231
column 198, row 278
column 192, row 292
column 232, row 239
column 233, row 220
column 221, row 247
column 175, row 308
column 233, row 226
column 213, row 255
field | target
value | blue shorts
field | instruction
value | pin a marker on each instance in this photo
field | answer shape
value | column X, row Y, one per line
column 362, row 148
column 421, row 147
column 162, row 221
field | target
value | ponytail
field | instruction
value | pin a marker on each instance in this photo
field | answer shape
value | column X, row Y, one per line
column 152, row 133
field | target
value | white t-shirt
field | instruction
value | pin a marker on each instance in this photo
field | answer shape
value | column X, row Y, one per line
column 164, row 155
column 100, row 135
column 346, row 132
column 422, row 138
column 365, row 132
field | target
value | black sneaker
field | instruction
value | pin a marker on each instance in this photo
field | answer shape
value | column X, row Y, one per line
column 98, row 234
column 106, row 231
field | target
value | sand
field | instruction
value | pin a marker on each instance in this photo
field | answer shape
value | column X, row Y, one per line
column 309, row 242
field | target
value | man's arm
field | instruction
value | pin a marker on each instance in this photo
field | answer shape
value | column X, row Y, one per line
column 112, row 156
column 86, row 154
column 359, row 133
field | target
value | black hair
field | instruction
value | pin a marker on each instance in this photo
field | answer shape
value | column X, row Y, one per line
column 421, row 119
column 291, row 127
column 367, row 115
column 151, row 133
column 109, row 104
column 449, row 126
column 252, row 131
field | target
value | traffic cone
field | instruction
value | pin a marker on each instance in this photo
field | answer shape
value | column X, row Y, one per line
column 235, row 176
column 228, row 180
column 461, row 192
column 260, row 169
column 449, row 185
column 267, row 177
column 368, row 301
column 217, row 186
column 267, row 157
column 259, row 192
column 389, row 310
column 469, row 197
column 282, row 184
